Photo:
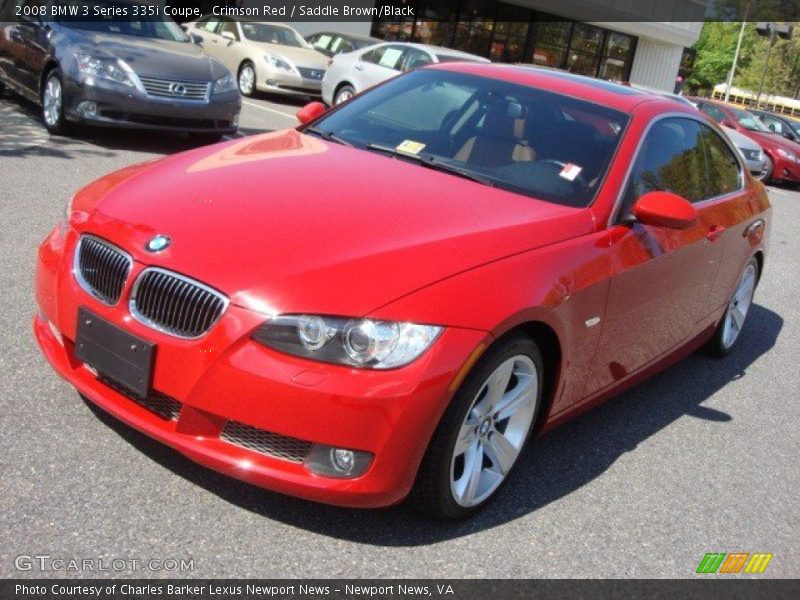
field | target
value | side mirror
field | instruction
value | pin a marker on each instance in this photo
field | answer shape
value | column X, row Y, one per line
column 728, row 124
column 185, row 28
column 665, row 209
column 310, row 111
column 196, row 39
column 228, row 35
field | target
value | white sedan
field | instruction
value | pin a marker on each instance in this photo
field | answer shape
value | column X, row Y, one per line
column 354, row 72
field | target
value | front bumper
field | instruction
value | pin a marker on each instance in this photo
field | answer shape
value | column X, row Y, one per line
column 284, row 82
column 786, row 170
column 756, row 167
column 225, row 376
column 120, row 106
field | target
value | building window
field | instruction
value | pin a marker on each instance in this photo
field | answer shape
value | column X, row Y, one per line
column 615, row 64
column 514, row 34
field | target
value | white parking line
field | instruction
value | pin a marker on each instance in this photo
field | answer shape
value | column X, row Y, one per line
column 272, row 110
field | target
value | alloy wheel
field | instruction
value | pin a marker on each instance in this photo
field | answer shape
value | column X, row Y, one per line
column 344, row 95
column 247, row 80
column 739, row 306
column 494, row 431
column 52, row 100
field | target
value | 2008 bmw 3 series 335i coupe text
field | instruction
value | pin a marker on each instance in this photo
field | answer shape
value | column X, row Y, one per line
column 391, row 299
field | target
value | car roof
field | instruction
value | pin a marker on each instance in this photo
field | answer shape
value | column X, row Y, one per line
column 438, row 50
column 352, row 36
column 598, row 91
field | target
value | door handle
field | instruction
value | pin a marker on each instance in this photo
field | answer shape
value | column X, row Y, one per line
column 358, row 68
column 715, row 233
column 754, row 227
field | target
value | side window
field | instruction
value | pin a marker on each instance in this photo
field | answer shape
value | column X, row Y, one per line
column 714, row 113
column 374, row 55
column 773, row 124
column 392, row 57
column 321, row 41
column 230, row 26
column 341, row 45
column 212, row 25
column 724, row 175
column 416, row 58
column 671, row 159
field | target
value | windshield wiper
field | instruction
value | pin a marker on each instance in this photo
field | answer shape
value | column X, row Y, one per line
column 429, row 161
column 328, row 136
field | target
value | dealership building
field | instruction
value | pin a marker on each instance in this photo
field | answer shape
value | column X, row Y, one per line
column 590, row 37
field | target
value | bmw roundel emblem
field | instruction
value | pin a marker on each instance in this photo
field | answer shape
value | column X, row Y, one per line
column 158, row 243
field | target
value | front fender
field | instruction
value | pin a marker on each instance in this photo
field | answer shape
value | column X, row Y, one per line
column 563, row 285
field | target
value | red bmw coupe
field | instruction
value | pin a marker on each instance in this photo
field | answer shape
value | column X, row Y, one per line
column 391, row 299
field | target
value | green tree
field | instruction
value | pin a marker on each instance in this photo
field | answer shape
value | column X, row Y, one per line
column 715, row 49
column 783, row 73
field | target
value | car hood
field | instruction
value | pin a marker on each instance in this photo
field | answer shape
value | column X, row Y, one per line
column 153, row 58
column 740, row 140
column 286, row 222
column 772, row 140
column 302, row 57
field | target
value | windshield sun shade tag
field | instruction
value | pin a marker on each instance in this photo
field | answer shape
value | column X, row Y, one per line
column 570, row 172
column 410, row 147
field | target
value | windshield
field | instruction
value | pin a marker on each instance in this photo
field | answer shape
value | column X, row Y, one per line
column 272, row 34
column 749, row 120
column 527, row 140
column 105, row 21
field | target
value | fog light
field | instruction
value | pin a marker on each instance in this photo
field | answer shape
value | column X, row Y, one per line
column 343, row 460
column 87, row 108
column 337, row 462
column 272, row 83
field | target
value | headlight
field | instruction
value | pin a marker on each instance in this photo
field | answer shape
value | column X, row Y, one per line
column 111, row 69
column 278, row 62
column 225, row 84
column 788, row 155
column 355, row 342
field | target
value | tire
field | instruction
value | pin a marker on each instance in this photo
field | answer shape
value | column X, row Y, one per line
column 766, row 177
column 53, row 99
column 343, row 94
column 246, row 79
column 204, row 139
column 468, row 432
column 733, row 321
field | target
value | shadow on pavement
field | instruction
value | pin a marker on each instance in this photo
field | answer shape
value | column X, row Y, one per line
column 22, row 134
column 552, row 467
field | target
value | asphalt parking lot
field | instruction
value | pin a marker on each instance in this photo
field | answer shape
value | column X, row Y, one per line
column 702, row 458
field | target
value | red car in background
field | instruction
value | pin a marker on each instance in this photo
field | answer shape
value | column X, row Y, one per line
column 392, row 298
column 783, row 156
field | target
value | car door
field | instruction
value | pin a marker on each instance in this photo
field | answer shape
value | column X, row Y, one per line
column 30, row 42
column 378, row 65
column 225, row 49
column 663, row 276
column 207, row 30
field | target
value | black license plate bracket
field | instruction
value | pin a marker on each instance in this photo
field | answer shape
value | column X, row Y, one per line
column 123, row 358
